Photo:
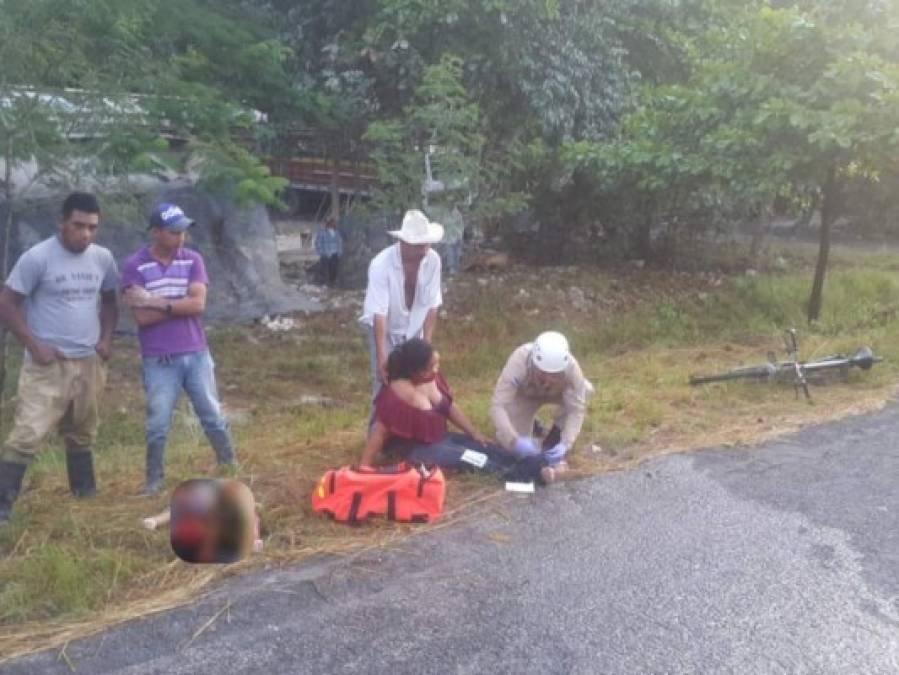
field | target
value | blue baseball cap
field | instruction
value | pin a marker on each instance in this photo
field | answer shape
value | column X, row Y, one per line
column 169, row 217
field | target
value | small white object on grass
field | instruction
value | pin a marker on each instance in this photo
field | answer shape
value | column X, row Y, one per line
column 520, row 488
column 473, row 457
column 158, row 520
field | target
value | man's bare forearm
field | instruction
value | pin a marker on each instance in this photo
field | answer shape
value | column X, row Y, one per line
column 379, row 327
column 109, row 317
column 147, row 316
column 186, row 306
column 430, row 325
column 14, row 321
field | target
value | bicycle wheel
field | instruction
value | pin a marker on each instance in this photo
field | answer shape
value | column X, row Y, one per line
column 863, row 359
column 747, row 373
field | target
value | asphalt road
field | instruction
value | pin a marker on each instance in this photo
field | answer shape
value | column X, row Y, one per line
column 777, row 559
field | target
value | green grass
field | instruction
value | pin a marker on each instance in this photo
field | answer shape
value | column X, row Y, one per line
column 71, row 560
column 856, row 301
column 61, row 580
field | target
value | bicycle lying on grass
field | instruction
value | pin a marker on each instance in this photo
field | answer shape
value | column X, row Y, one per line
column 793, row 370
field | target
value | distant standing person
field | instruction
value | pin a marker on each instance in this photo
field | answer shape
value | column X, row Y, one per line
column 536, row 374
column 60, row 302
column 165, row 286
column 403, row 294
column 329, row 246
column 453, row 236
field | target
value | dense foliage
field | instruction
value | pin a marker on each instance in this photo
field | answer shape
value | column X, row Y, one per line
column 641, row 120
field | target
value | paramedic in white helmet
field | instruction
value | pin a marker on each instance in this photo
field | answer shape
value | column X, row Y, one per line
column 536, row 374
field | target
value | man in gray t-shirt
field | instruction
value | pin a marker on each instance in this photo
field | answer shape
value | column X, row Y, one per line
column 60, row 302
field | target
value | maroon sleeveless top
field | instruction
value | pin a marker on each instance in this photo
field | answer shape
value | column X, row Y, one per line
column 408, row 422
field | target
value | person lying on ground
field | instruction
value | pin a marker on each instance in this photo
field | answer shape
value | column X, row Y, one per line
column 412, row 414
column 536, row 374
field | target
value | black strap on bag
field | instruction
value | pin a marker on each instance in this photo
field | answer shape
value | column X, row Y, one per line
column 354, row 508
column 424, row 475
column 391, row 505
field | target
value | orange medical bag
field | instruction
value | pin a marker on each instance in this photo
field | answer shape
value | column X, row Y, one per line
column 404, row 493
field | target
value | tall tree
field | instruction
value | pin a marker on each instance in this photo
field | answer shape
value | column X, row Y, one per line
column 87, row 90
column 443, row 124
column 540, row 71
column 777, row 104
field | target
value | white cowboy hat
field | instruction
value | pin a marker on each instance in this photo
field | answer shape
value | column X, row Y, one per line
column 417, row 229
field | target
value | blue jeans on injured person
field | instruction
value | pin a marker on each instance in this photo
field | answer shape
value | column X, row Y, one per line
column 165, row 378
column 448, row 453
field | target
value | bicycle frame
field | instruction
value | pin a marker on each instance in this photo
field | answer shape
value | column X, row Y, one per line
column 794, row 369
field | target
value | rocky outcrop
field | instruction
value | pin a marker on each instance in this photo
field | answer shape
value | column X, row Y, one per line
column 237, row 243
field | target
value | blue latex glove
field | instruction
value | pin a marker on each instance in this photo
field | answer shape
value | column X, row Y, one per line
column 525, row 447
column 556, row 454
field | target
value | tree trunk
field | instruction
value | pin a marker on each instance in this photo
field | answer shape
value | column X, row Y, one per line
column 759, row 230
column 4, row 264
column 828, row 215
column 335, row 190
column 642, row 246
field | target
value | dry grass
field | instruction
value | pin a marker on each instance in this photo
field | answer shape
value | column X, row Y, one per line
column 68, row 569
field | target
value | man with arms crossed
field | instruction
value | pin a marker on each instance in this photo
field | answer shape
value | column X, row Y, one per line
column 165, row 287
column 60, row 302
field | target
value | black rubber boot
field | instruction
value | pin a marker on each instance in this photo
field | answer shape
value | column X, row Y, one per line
column 80, row 466
column 11, row 475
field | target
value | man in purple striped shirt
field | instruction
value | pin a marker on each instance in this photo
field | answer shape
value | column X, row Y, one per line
column 164, row 285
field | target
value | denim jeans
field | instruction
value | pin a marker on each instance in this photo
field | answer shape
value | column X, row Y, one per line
column 328, row 268
column 447, row 453
column 452, row 255
column 392, row 341
column 165, row 377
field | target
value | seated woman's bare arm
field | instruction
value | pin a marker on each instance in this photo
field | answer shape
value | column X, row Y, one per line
column 457, row 417
column 375, row 444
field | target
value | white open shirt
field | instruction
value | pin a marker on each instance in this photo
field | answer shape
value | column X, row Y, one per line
column 386, row 293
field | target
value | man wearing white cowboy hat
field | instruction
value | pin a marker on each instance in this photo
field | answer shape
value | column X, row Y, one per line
column 403, row 293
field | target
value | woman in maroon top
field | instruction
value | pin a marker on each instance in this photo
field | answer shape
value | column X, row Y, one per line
column 412, row 414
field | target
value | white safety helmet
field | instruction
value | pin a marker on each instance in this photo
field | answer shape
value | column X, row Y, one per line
column 550, row 353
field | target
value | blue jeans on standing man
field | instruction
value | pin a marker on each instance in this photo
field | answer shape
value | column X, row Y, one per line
column 451, row 253
column 165, row 377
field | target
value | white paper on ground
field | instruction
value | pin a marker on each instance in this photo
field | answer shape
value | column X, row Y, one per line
column 525, row 488
column 478, row 459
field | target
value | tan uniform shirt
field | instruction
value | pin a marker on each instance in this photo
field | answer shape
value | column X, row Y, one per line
column 518, row 396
